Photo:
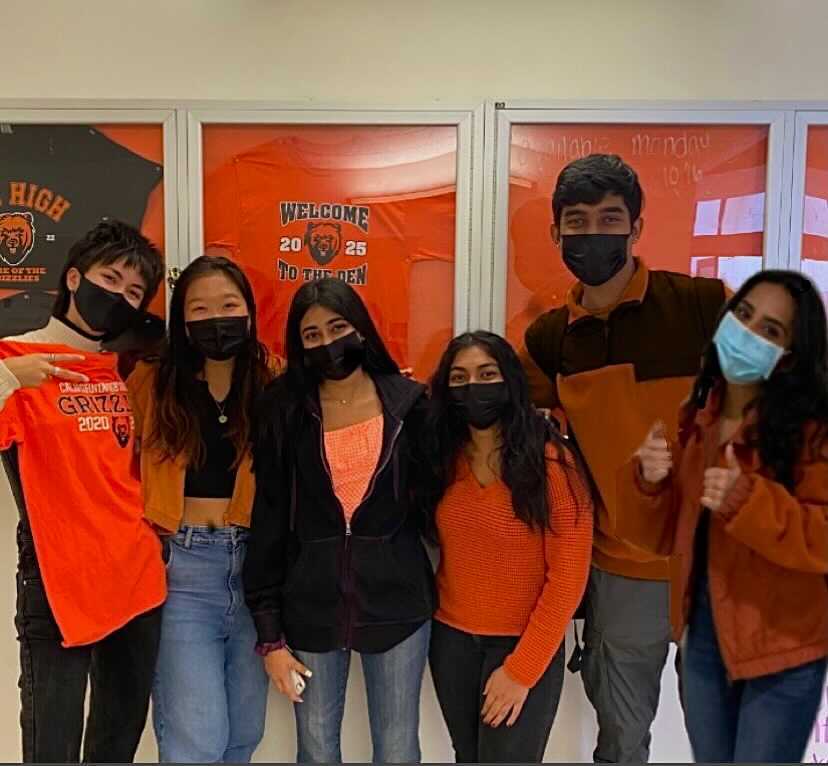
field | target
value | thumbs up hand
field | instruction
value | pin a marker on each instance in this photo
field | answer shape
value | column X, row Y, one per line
column 719, row 481
column 654, row 454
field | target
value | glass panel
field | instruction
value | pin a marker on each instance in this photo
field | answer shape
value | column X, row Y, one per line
column 704, row 210
column 815, row 213
column 372, row 205
column 57, row 182
column 815, row 264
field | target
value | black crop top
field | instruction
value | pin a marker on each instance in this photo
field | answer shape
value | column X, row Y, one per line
column 216, row 477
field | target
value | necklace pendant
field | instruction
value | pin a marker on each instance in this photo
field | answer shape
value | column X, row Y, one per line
column 222, row 419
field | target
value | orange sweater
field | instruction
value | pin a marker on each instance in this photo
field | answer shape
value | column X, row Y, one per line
column 497, row 577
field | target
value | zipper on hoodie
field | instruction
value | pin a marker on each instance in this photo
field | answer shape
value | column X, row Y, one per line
column 346, row 562
column 347, row 574
column 380, row 468
column 347, row 589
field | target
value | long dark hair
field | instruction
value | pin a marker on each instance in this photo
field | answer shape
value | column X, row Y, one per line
column 334, row 295
column 797, row 392
column 177, row 429
column 282, row 407
column 524, row 435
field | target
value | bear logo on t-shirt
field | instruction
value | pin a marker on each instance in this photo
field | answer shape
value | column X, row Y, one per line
column 324, row 241
column 121, row 427
column 16, row 237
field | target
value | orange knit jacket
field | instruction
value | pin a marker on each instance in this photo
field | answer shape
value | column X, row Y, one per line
column 498, row 577
column 768, row 548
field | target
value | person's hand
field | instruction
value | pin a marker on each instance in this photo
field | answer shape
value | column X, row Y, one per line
column 278, row 665
column 719, row 481
column 504, row 699
column 654, row 455
column 32, row 370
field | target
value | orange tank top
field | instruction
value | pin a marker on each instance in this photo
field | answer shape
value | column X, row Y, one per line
column 353, row 453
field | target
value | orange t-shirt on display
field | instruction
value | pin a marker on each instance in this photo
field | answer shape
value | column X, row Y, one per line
column 298, row 208
column 100, row 561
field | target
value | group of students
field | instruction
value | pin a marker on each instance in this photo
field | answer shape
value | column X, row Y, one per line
column 225, row 517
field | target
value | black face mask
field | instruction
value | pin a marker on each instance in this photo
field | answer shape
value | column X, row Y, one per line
column 480, row 404
column 594, row 258
column 338, row 359
column 219, row 338
column 105, row 311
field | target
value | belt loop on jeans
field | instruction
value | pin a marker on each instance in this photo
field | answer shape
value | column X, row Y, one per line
column 188, row 538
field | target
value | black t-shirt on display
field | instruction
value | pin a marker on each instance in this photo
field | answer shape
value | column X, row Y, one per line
column 56, row 183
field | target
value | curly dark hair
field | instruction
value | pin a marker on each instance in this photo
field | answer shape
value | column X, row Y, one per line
column 796, row 394
column 524, row 436
column 176, row 431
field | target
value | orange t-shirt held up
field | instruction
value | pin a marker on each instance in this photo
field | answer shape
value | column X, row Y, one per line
column 100, row 561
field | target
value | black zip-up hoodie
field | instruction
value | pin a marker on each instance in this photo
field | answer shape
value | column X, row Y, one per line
column 318, row 582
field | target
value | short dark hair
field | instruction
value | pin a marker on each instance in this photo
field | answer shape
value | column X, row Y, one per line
column 589, row 179
column 108, row 242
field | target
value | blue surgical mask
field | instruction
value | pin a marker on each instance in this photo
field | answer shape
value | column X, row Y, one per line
column 745, row 357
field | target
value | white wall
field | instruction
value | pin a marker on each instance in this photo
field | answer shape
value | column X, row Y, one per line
column 388, row 52
column 370, row 51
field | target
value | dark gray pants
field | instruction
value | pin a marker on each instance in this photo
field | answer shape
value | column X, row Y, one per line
column 461, row 664
column 626, row 641
column 118, row 670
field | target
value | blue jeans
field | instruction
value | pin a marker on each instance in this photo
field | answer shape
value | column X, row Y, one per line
column 392, row 680
column 210, row 690
column 766, row 719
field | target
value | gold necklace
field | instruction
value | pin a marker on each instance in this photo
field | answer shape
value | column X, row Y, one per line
column 222, row 418
column 343, row 402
